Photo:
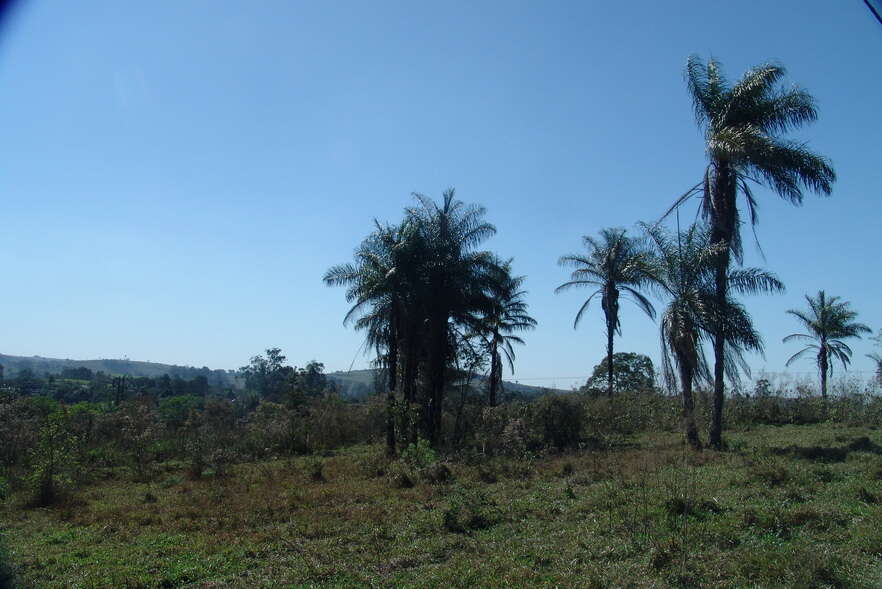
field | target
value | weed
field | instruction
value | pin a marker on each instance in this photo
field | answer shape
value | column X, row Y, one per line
column 867, row 496
column 567, row 469
column 467, row 510
column 315, row 468
column 436, row 473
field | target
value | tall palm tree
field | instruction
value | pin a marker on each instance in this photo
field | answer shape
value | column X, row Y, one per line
column 744, row 124
column 614, row 264
column 506, row 315
column 380, row 285
column 683, row 274
column 456, row 279
column 828, row 322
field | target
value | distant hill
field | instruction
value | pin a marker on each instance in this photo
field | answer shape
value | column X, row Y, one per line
column 360, row 383
column 352, row 384
column 39, row 365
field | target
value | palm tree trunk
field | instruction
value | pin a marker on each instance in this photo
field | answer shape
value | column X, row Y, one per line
column 822, row 364
column 689, row 426
column 722, row 230
column 610, row 334
column 494, row 374
column 715, row 435
column 437, row 366
column 411, row 362
column 392, row 367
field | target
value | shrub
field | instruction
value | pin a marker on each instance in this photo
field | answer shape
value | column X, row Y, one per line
column 219, row 460
column 53, row 461
column 515, row 438
column 400, row 477
column 419, row 455
column 467, row 510
column 315, row 467
column 141, row 430
column 560, row 419
column 374, row 465
column 436, row 473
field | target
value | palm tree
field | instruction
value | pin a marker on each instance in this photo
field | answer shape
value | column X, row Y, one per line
column 379, row 286
column 456, row 279
column 507, row 315
column 828, row 322
column 614, row 264
column 743, row 125
column 683, row 274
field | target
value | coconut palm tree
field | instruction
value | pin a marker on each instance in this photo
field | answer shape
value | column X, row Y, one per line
column 683, row 276
column 615, row 264
column 744, row 124
column 506, row 315
column 828, row 322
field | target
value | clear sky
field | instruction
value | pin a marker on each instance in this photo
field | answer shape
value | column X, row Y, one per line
column 177, row 176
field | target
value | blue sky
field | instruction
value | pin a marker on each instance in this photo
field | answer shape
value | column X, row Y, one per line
column 177, row 176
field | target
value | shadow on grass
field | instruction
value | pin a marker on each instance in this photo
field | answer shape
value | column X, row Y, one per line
column 829, row 453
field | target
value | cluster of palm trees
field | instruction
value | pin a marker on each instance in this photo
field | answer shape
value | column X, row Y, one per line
column 744, row 125
column 680, row 270
column 425, row 295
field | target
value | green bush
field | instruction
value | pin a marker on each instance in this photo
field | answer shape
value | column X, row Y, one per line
column 560, row 419
column 419, row 455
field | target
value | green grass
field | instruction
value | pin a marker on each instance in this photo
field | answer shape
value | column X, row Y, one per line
column 791, row 506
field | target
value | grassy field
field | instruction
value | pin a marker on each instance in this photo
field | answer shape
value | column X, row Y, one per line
column 790, row 506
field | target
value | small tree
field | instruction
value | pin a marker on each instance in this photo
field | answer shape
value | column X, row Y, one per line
column 631, row 372
column 141, row 429
column 53, row 460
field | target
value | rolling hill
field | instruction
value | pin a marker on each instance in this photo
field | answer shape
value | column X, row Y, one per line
column 351, row 384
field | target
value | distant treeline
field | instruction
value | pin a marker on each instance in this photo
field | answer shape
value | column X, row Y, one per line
column 39, row 366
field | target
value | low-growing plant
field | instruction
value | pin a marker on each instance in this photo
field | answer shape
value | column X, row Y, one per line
column 468, row 510
column 419, row 455
column 436, row 473
column 315, row 469
column 400, row 476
